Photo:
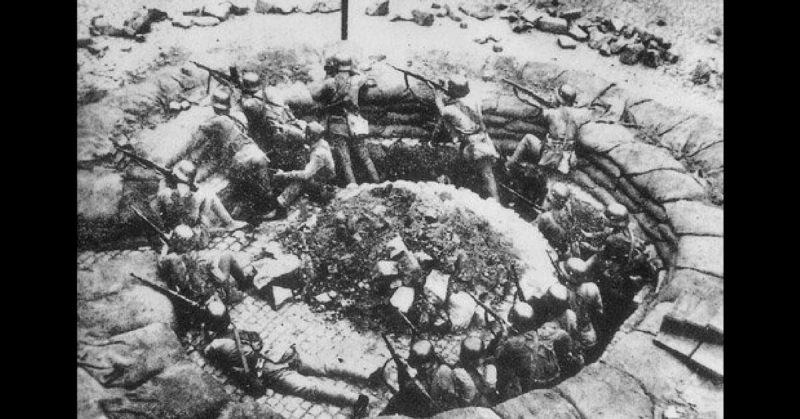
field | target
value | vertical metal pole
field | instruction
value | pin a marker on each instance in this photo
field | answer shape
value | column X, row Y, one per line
column 344, row 20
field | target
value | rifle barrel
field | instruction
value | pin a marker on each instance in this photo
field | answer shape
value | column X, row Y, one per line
column 168, row 291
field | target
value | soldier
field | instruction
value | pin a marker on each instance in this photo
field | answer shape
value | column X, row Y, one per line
column 435, row 376
column 563, row 122
column 339, row 95
column 268, row 116
column 585, row 300
column 556, row 222
column 177, row 204
column 463, row 117
column 475, row 380
column 293, row 373
column 210, row 278
column 313, row 179
column 220, row 144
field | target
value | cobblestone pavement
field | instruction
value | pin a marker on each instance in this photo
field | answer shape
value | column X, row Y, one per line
column 295, row 323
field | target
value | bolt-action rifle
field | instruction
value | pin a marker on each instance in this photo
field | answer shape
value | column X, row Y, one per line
column 141, row 161
column 232, row 81
column 174, row 295
column 405, row 377
column 161, row 235
column 519, row 88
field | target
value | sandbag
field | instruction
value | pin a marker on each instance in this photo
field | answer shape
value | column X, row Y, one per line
column 181, row 391
column 129, row 359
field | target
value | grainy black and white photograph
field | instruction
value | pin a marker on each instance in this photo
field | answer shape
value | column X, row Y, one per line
column 485, row 209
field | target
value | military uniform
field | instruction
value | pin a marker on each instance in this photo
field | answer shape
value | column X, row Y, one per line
column 463, row 117
column 339, row 96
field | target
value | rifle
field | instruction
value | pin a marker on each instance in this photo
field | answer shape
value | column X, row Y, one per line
column 414, row 330
column 521, row 197
column 515, row 278
column 141, row 161
column 561, row 276
column 420, row 77
column 231, row 81
column 163, row 236
column 405, row 376
column 518, row 88
column 503, row 323
column 164, row 290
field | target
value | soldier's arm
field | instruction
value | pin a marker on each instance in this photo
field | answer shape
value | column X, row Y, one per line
column 314, row 165
column 322, row 91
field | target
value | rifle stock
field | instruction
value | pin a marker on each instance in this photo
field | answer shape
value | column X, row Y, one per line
column 544, row 102
column 420, row 77
column 163, row 236
column 193, row 304
column 231, row 81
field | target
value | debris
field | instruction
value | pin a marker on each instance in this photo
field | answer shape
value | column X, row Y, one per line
column 323, row 298
column 378, row 8
column 661, row 22
column 423, row 18
column 617, row 46
column 461, row 310
column 185, row 105
column 386, row 269
column 220, row 11
column 463, row 25
column 552, row 25
column 403, row 299
column 605, row 49
column 284, row 268
column 182, row 21
column 571, row 14
column 578, row 34
column 425, row 261
column 531, row 15
column 567, row 42
column 436, row 285
column 652, row 58
column 240, row 7
column 205, row 21
column 279, row 296
column 497, row 48
column 671, row 412
column 174, row 106
column 631, row 54
column 477, row 10
column 615, row 24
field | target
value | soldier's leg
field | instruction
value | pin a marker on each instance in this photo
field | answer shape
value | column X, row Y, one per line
column 342, row 151
column 308, row 364
column 487, row 174
column 212, row 203
column 362, row 152
column 290, row 193
column 296, row 384
column 230, row 266
column 529, row 145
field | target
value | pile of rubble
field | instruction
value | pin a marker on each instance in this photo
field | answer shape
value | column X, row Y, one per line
column 388, row 249
column 607, row 36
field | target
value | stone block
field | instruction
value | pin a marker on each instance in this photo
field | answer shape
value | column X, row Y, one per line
column 182, row 21
column 241, row 7
column 711, row 357
column 566, row 42
column 551, row 24
column 602, row 391
column 219, row 10
column 663, row 375
column 652, row 321
column 679, row 345
column 279, row 296
column 532, row 15
column 284, row 270
column 461, row 310
column 476, row 9
column 436, row 285
column 386, row 269
column 205, row 21
column 704, row 254
column 571, row 14
column 424, row 259
column 403, row 299
column 578, row 34
column 377, row 8
column 537, row 403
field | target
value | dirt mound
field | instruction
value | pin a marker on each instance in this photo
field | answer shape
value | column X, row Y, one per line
column 351, row 235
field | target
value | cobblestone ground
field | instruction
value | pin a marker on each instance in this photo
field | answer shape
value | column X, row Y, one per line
column 295, row 323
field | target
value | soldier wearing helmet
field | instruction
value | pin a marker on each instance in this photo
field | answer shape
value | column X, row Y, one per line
column 556, row 222
column 462, row 115
column 221, row 143
column 585, row 300
column 178, row 204
column 314, row 179
column 563, row 120
column 339, row 96
column 436, row 378
column 269, row 119
column 475, row 380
